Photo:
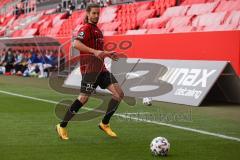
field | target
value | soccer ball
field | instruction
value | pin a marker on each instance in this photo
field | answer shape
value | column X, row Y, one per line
column 147, row 101
column 160, row 146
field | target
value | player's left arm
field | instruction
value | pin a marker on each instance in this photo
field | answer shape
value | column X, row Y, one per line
column 111, row 54
column 98, row 53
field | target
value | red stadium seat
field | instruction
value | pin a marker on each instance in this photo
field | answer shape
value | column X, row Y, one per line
column 198, row 9
column 143, row 15
column 136, row 32
column 233, row 19
column 2, row 32
column 176, row 22
column 161, row 5
column 170, row 2
column 110, row 26
column 219, row 28
column 50, row 11
column 57, row 18
column 155, row 23
column 79, row 19
column 200, row 28
column 183, row 29
column 210, row 15
column 8, row 20
column 35, row 25
column 108, row 14
column 28, row 32
column 211, row 19
column 109, row 9
column 109, row 33
column 141, row 6
column 54, row 31
column 187, row 2
column 176, row 11
column 65, row 28
column 228, row 6
column 107, row 18
column 157, row 31
column 4, row 2
column 16, row 33
column 59, row 23
column 47, row 24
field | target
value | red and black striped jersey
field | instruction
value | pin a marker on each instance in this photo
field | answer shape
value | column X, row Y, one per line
column 91, row 36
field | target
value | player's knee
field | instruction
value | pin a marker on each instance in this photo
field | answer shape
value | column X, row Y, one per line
column 83, row 99
column 121, row 95
column 118, row 96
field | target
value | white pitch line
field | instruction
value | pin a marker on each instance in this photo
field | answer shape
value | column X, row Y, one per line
column 137, row 119
column 135, row 113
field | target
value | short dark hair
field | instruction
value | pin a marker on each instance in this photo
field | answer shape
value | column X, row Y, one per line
column 89, row 8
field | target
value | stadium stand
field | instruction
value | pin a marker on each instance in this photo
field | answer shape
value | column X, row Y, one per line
column 4, row 2
column 176, row 11
column 183, row 29
column 136, row 32
column 209, row 19
column 154, row 23
column 224, row 27
column 190, row 2
column 157, row 31
column 233, row 19
column 109, row 33
column 198, row 9
column 176, row 22
column 228, row 5
column 137, row 18
column 189, row 16
column 143, row 15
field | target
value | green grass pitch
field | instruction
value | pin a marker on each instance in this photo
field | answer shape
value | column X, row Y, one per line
column 27, row 128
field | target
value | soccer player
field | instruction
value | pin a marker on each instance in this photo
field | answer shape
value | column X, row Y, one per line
column 94, row 73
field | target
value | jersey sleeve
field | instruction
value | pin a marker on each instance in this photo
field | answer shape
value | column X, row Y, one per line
column 83, row 34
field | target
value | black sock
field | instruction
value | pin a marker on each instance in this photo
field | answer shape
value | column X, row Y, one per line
column 71, row 112
column 112, row 107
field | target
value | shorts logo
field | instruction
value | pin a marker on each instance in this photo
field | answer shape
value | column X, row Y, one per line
column 89, row 87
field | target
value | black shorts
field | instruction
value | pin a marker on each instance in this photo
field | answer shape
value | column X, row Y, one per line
column 90, row 81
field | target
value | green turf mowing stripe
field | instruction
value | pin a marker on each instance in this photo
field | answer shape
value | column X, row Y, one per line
column 137, row 119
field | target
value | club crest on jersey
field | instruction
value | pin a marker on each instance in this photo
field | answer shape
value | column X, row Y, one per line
column 81, row 35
